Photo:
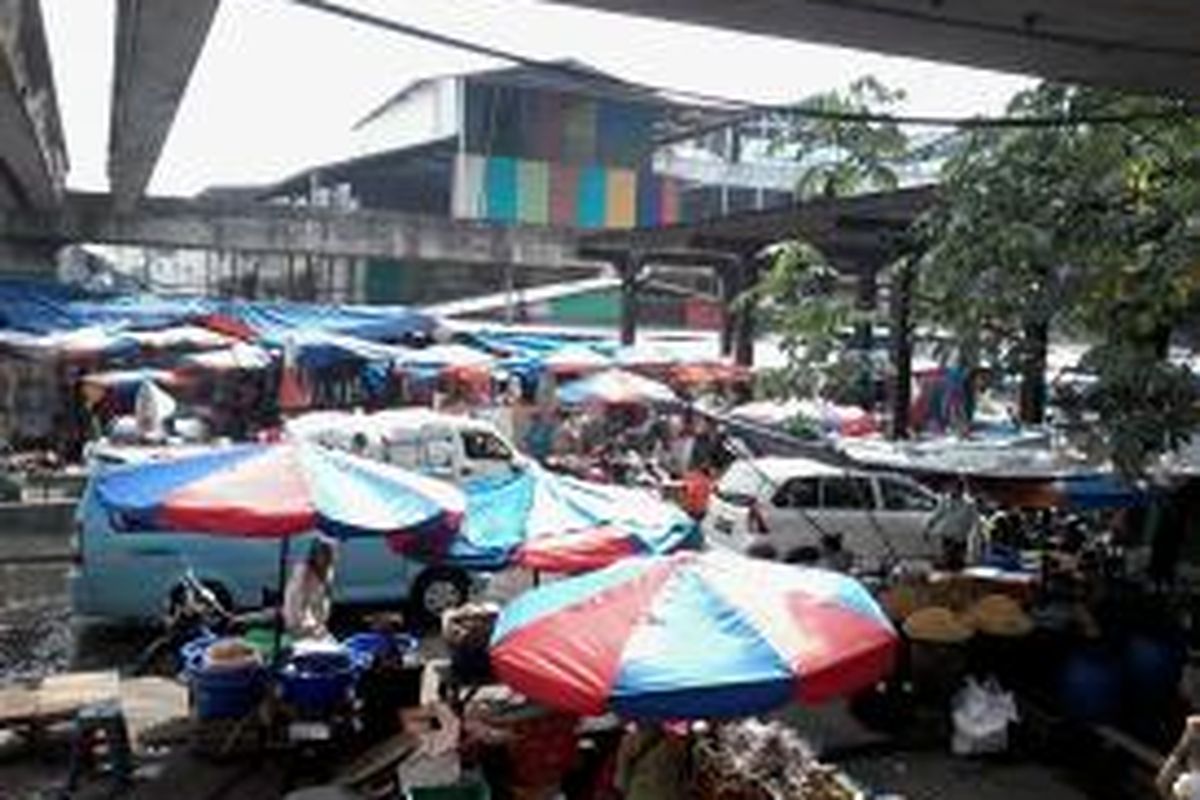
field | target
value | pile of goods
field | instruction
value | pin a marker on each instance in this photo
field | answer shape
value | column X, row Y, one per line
column 230, row 654
column 754, row 760
column 951, row 611
column 999, row 615
column 937, row 624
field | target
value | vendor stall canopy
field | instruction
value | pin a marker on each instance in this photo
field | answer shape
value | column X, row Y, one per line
column 693, row 636
column 40, row 307
column 550, row 522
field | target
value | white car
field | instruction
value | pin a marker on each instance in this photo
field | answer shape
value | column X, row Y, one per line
column 788, row 504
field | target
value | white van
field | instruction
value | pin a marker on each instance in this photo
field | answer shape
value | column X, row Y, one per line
column 788, row 504
column 448, row 446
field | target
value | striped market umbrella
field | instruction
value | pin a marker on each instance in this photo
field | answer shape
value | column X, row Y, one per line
column 277, row 490
column 548, row 522
column 616, row 387
column 692, row 636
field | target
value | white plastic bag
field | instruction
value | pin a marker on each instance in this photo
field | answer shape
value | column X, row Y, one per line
column 982, row 714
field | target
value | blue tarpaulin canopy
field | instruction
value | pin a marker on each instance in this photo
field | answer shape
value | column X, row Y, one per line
column 43, row 307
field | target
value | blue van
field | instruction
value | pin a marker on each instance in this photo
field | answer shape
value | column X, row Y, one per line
column 134, row 576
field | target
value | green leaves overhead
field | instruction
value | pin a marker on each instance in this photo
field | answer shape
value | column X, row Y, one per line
column 846, row 157
column 1090, row 229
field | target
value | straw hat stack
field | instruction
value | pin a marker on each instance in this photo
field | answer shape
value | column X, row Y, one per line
column 937, row 624
column 999, row 615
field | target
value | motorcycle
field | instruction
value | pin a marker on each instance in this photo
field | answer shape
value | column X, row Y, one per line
column 195, row 612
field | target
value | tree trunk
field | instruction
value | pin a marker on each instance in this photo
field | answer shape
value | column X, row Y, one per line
column 1034, row 345
column 901, row 389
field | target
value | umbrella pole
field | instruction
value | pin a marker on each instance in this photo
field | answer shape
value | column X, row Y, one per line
column 281, row 589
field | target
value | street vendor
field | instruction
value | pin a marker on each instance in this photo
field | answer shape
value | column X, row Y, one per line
column 306, row 601
column 1179, row 777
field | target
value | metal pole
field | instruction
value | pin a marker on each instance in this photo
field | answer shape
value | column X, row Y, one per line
column 281, row 590
column 744, row 330
column 901, row 302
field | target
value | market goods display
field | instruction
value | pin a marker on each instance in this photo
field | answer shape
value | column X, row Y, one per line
column 937, row 624
column 231, row 654
column 753, row 760
column 1000, row 615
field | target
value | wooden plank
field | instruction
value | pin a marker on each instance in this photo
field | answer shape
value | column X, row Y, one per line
column 18, row 704
column 58, row 697
column 63, row 695
column 150, row 703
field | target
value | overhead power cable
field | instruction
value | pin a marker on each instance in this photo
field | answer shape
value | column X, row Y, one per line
column 734, row 106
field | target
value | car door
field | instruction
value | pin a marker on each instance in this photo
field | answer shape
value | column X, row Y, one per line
column 793, row 519
column 369, row 571
column 848, row 509
column 440, row 452
column 905, row 512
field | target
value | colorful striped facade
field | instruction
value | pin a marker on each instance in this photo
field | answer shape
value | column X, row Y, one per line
column 507, row 189
column 550, row 158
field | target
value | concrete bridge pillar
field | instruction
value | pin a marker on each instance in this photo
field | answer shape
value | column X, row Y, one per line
column 744, row 328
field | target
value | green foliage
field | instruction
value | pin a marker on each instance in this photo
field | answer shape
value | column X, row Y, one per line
column 1144, row 404
column 797, row 294
column 843, row 157
column 795, row 299
column 1090, row 229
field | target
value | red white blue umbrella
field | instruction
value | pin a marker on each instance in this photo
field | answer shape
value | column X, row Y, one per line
column 544, row 521
column 257, row 490
column 616, row 387
column 692, row 636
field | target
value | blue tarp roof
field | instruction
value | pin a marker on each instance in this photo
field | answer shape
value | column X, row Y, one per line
column 43, row 307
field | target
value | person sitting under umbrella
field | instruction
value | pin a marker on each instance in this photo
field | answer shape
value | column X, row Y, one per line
column 306, row 601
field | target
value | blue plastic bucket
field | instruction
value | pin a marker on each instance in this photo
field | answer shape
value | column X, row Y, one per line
column 1151, row 668
column 225, row 692
column 364, row 648
column 1090, row 686
column 316, row 683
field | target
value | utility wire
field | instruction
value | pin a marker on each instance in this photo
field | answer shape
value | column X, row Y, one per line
column 736, row 107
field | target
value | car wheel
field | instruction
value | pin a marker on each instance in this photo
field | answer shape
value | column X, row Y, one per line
column 435, row 592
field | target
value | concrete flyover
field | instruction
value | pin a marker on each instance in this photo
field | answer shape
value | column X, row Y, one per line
column 33, row 157
column 264, row 228
column 157, row 45
column 1148, row 44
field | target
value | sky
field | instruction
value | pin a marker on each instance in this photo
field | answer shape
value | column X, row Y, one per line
column 278, row 86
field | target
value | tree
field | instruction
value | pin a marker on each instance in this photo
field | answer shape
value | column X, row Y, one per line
column 795, row 299
column 843, row 157
column 1089, row 229
column 797, row 293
